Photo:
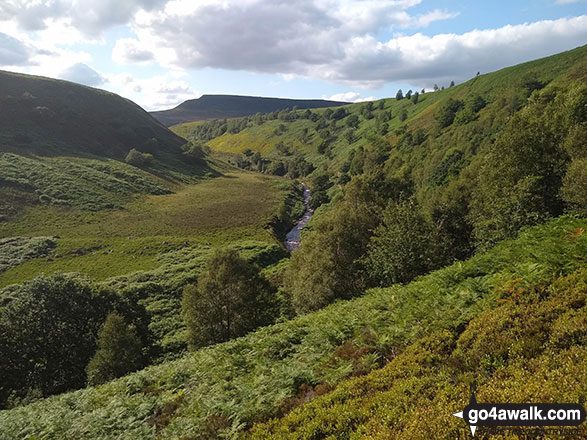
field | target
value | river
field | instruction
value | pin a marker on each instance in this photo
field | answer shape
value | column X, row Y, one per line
column 292, row 239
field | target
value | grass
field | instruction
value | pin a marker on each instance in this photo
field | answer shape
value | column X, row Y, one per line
column 217, row 211
column 228, row 387
column 499, row 89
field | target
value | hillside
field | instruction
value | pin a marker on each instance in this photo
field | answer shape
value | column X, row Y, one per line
column 51, row 117
column 230, row 106
column 228, row 387
column 447, row 249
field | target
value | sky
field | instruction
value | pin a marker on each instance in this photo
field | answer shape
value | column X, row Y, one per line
column 160, row 53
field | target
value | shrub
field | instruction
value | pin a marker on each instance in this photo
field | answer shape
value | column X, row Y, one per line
column 119, row 351
column 229, row 300
column 138, row 159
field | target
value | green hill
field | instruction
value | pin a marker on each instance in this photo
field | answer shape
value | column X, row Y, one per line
column 52, row 117
column 227, row 388
column 230, row 106
column 447, row 248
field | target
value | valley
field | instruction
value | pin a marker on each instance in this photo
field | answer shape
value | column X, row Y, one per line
column 157, row 284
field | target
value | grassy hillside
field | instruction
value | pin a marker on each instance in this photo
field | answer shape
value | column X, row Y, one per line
column 52, row 117
column 535, row 331
column 228, row 387
column 504, row 92
column 228, row 106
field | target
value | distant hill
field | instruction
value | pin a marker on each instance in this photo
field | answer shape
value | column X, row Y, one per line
column 231, row 106
column 64, row 144
column 53, row 117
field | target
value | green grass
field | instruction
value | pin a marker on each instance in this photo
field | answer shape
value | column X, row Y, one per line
column 230, row 386
column 217, row 211
column 499, row 89
column 520, row 351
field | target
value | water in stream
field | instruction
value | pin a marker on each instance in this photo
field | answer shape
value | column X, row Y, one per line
column 292, row 239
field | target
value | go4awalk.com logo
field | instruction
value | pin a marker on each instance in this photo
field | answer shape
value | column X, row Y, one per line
column 516, row 415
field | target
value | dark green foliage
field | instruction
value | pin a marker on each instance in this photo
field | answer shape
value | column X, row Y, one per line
column 415, row 97
column 403, row 115
column 229, row 300
column 399, row 95
column 477, row 104
column 447, row 112
column 520, row 180
column 119, row 351
column 574, row 189
column 352, row 121
column 327, row 266
column 47, row 335
column 320, row 185
column 249, row 378
column 405, row 245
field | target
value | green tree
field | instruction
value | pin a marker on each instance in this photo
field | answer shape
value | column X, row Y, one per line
column 138, row 159
column 119, row 351
column 327, row 266
column 403, row 115
column 404, row 246
column 415, row 97
column 48, row 335
column 229, row 300
column 399, row 95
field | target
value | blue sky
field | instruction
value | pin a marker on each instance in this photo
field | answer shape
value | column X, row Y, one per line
column 162, row 52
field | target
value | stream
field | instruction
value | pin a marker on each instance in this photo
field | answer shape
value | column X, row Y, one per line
column 292, row 239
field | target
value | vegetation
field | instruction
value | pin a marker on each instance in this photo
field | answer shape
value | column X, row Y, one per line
column 119, row 351
column 485, row 179
column 230, row 300
column 227, row 387
column 226, row 106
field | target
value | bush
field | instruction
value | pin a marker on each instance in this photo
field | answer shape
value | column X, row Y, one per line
column 138, row 159
column 119, row 351
column 229, row 300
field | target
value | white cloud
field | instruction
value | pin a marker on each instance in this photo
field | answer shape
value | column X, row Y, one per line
column 338, row 40
column 156, row 93
column 348, row 97
column 131, row 51
column 13, row 52
column 90, row 17
column 566, row 2
column 83, row 74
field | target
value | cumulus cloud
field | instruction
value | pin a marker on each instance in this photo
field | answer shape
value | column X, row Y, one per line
column 89, row 16
column 336, row 40
column 271, row 36
column 131, row 51
column 82, row 74
column 13, row 52
column 156, row 93
column 348, row 97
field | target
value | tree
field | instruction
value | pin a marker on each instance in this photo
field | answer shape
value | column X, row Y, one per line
column 352, row 121
column 447, row 112
column 409, row 94
column 452, row 84
column 403, row 115
column 326, row 266
column 399, row 95
column 436, row 87
column 48, row 335
column 415, row 97
column 138, row 159
column 229, row 300
column 404, row 246
column 119, row 351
